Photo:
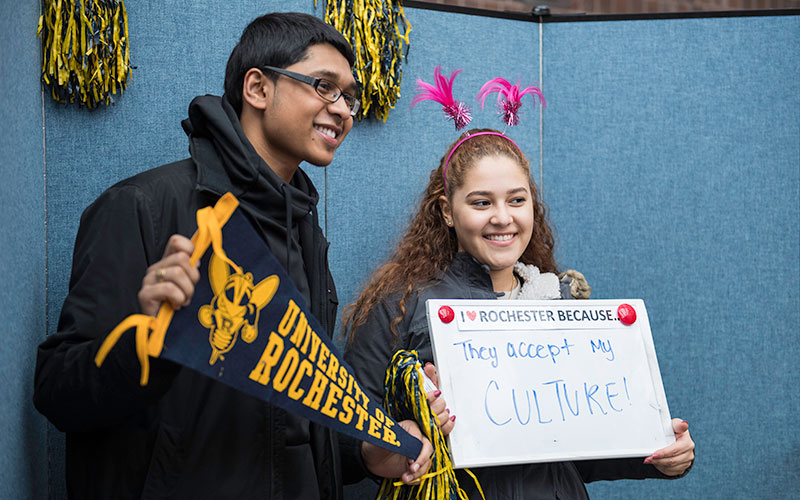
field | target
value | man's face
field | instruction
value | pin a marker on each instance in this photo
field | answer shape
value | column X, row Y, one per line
column 299, row 125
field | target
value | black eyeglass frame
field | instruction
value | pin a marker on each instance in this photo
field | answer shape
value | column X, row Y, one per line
column 352, row 102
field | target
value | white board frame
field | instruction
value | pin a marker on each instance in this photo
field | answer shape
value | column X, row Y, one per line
column 636, row 421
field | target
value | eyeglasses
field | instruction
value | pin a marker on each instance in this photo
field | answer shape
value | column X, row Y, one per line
column 325, row 88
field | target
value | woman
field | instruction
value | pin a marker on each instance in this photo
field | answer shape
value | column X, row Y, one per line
column 481, row 232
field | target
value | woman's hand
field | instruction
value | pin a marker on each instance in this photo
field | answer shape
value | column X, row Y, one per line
column 677, row 457
column 437, row 402
column 171, row 279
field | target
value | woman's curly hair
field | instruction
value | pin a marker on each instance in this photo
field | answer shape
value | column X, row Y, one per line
column 429, row 246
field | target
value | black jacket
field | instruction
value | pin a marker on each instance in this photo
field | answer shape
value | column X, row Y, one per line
column 373, row 346
column 183, row 435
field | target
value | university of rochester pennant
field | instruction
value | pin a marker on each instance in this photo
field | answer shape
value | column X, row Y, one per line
column 261, row 338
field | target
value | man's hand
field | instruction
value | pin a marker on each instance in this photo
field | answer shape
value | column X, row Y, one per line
column 171, row 279
column 384, row 463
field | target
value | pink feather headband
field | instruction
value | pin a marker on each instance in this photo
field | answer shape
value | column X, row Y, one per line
column 462, row 141
column 442, row 92
column 509, row 101
column 509, row 98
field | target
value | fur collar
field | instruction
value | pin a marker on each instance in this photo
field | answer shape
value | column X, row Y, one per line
column 537, row 285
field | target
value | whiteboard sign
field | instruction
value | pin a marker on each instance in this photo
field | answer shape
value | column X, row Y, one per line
column 544, row 380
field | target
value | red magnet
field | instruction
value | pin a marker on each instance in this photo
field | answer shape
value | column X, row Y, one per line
column 446, row 314
column 626, row 314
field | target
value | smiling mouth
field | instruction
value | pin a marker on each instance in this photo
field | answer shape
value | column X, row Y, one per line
column 499, row 237
column 326, row 131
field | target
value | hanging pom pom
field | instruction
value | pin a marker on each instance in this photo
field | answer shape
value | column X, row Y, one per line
column 405, row 399
column 85, row 50
column 377, row 30
column 509, row 98
column 442, row 92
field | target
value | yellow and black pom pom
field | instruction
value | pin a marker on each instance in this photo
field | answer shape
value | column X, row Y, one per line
column 85, row 50
column 405, row 399
column 376, row 29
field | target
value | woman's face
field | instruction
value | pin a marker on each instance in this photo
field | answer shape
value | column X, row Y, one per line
column 492, row 212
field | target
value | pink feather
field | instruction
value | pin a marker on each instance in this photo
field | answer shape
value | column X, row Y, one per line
column 442, row 92
column 509, row 98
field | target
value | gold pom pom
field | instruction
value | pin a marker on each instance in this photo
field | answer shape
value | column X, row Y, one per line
column 377, row 30
column 85, row 50
column 405, row 399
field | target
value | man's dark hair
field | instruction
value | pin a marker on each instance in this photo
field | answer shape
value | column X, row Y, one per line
column 279, row 39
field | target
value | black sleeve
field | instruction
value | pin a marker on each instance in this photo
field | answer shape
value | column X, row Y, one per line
column 116, row 242
column 353, row 467
column 620, row 468
column 368, row 355
column 371, row 349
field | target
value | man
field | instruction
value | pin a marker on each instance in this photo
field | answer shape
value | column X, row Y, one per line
column 289, row 97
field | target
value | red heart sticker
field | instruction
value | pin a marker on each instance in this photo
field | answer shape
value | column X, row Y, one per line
column 471, row 315
column 626, row 314
column 446, row 314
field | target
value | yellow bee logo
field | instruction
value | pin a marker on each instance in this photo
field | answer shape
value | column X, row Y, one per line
column 235, row 307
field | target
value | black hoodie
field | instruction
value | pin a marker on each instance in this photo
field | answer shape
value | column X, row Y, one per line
column 184, row 435
column 284, row 213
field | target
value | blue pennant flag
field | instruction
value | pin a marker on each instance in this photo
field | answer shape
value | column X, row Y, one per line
column 249, row 327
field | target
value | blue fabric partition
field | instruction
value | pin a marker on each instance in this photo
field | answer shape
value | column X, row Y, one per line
column 671, row 165
column 23, row 432
column 672, row 153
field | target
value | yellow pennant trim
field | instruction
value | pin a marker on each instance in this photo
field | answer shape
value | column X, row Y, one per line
column 150, row 331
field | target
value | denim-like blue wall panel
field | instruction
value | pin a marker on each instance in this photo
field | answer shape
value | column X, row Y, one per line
column 671, row 166
column 23, row 433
